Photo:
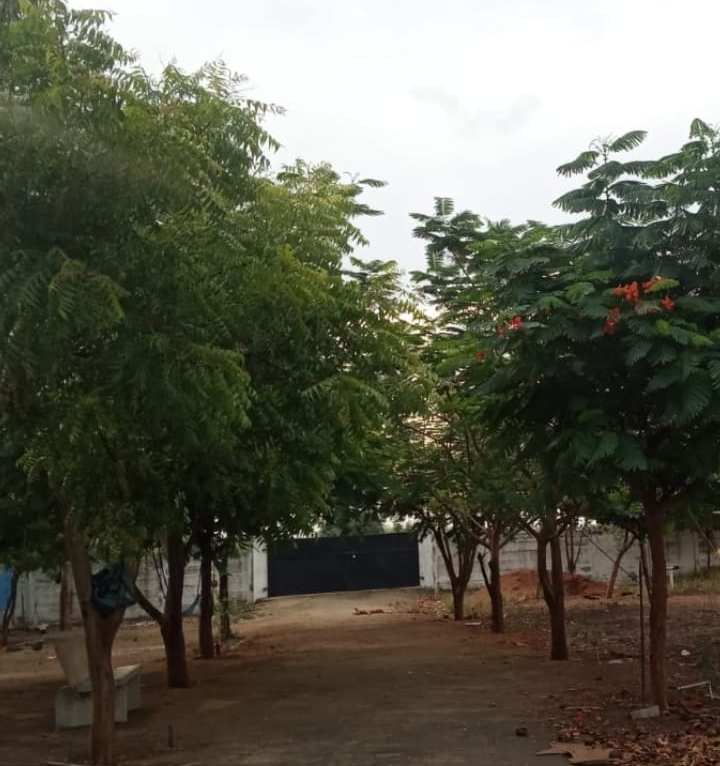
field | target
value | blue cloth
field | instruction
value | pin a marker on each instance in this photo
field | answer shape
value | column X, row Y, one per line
column 5, row 587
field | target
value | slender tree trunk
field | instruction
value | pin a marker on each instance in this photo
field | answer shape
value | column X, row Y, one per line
column 655, row 518
column 458, row 596
column 570, row 550
column 491, row 576
column 497, row 616
column 100, row 632
column 460, row 577
column 557, row 612
column 65, row 596
column 9, row 611
column 170, row 619
column 709, row 548
column 627, row 543
column 173, row 636
column 646, row 568
column 205, row 628
column 553, row 591
column 224, row 598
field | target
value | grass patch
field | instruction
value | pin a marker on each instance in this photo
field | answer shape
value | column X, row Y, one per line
column 698, row 584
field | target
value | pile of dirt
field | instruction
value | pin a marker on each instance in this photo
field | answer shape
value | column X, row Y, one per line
column 521, row 582
column 524, row 582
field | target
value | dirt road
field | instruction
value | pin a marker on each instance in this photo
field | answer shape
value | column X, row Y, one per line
column 309, row 682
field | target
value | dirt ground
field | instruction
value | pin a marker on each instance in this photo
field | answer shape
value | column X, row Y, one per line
column 381, row 677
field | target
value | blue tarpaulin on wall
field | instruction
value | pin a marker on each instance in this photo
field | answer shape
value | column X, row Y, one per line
column 5, row 585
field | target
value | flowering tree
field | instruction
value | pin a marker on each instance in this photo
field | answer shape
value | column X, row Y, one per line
column 612, row 370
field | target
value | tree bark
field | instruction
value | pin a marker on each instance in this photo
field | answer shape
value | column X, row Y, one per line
column 460, row 577
column 173, row 636
column 205, row 628
column 9, row 611
column 655, row 518
column 170, row 619
column 65, row 596
column 100, row 632
column 491, row 576
column 572, row 550
column 627, row 543
column 553, row 590
column 224, row 598
column 645, row 568
column 458, row 597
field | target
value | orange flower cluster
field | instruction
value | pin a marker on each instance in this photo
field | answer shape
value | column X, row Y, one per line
column 514, row 324
column 611, row 321
column 631, row 293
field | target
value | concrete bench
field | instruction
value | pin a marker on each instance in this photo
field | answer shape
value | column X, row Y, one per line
column 73, row 702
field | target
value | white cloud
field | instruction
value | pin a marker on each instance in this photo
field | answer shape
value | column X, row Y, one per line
column 475, row 100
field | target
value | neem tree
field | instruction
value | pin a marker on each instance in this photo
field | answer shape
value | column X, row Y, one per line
column 608, row 337
column 119, row 194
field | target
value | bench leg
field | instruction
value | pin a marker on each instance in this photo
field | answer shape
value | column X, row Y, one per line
column 133, row 694
column 74, row 710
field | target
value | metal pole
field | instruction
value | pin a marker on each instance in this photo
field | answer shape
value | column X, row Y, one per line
column 642, row 632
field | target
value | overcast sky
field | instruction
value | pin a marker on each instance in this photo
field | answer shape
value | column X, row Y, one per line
column 474, row 100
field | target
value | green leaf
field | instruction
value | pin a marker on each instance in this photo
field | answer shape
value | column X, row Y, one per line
column 700, row 129
column 628, row 141
column 714, row 371
column 630, row 454
column 662, row 285
column 639, row 350
column 662, row 326
column 579, row 290
column 580, row 164
column 607, row 445
column 695, row 398
column 701, row 341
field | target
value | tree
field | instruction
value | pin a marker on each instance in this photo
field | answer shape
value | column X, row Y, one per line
column 469, row 468
column 609, row 337
column 115, row 217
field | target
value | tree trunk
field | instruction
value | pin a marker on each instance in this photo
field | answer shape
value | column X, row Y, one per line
column 65, row 596
column 170, row 619
column 224, row 598
column 627, row 543
column 172, row 627
column 497, row 617
column 655, row 518
column 709, row 548
column 100, row 633
column 559, row 649
column 553, row 592
column 458, row 596
column 9, row 611
column 646, row 569
column 205, row 628
column 491, row 576
column 570, row 550
column 460, row 577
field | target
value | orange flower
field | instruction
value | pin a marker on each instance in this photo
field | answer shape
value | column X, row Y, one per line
column 516, row 323
column 629, row 292
column 481, row 356
column 668, row 302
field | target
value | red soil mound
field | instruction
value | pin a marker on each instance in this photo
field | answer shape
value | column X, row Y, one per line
column 524, row 582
